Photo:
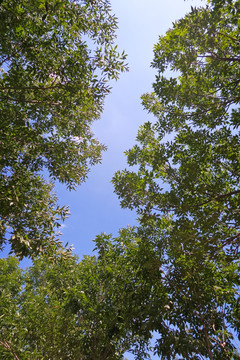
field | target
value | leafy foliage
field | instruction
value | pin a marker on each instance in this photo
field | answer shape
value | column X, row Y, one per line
column 56, row 59
column 177, row 274
column 187, row 299
column 189, row 158
column 186, row 188
column 64, row 309
column 103, row 306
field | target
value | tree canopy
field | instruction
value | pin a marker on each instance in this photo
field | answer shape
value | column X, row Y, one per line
column 108, row 304
column 176, row 274
column 61, row 308
column 56, row 59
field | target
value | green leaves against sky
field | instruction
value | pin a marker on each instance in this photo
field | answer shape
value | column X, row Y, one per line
column 176, row 274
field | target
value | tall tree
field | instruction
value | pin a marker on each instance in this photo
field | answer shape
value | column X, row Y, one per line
column 189, row 158
column 56, row 59
column 187, row 182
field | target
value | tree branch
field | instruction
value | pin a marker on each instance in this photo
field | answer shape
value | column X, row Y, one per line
column 31, row 101
column 220, row 196
column 215, row 57
column 5, row 344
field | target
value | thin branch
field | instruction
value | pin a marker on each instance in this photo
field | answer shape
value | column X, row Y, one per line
column 215, row 57
column 231, row 239
column 31, row 101
column 220, row 196
column 3, row 61
column 205, row 331
column 31, row 87
column 106, row 352
column 230, row 37
column 8, row 347
column 219, row 343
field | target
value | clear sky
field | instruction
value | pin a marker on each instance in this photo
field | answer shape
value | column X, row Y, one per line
column 94, row 207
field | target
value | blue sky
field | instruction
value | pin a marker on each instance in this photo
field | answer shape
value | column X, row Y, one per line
column 94, row 207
